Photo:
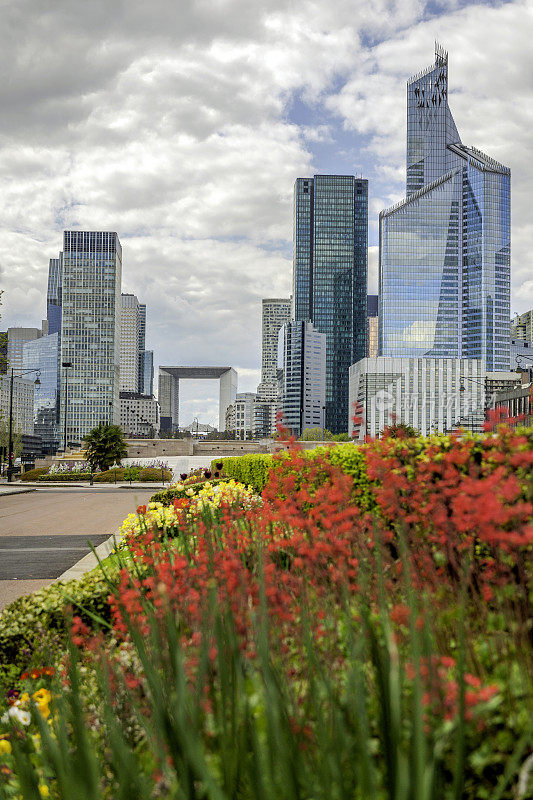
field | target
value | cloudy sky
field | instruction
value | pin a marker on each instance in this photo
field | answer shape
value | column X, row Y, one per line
column 182, row 125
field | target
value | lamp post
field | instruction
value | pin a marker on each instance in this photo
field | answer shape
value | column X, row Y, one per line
column 66, row 366
column 10, row 453
column 462, row 388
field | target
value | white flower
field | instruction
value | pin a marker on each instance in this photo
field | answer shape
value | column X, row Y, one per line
column 24, row 717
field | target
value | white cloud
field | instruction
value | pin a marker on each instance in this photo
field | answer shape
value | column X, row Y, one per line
column 169, row 124
column 491, row 98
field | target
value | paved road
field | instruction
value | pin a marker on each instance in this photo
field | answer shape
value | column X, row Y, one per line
column 44, row 533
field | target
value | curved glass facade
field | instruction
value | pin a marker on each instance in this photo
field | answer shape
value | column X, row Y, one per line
column 444, row 269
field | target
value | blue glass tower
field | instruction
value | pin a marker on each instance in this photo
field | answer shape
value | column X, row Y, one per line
column 43, row 355
column 54, row 294
column 330, row 276
column 444, row 271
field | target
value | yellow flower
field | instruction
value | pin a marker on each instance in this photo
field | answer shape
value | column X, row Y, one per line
column 44, row 790
column 24, row 698
column 42, row 696
column 5, row 747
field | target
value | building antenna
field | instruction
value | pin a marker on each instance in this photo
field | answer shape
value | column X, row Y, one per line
column 441, row 55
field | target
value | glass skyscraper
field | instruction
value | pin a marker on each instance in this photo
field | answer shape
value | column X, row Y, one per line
column 444, row 272
column 330, row 276
column 54, row 293
column 90, row 335
column 43, row 355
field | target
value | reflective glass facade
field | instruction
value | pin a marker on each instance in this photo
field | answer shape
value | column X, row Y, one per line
column 90, row 337
column 54, row 294
column 302, row 351
column 43, row 355
column 330, row 276
column 445, row 251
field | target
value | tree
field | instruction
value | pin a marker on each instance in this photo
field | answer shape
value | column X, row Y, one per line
column 341, row 437
column 105, row 446
column 399, row 430
column 316, row 435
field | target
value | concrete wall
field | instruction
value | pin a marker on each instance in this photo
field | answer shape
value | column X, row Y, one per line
column 158, row 448
column 229, row 448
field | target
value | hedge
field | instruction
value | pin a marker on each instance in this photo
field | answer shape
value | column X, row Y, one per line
column 29, row 624
column 147, row 475
column 65, row 477
column 33, row 474
column 250, row 469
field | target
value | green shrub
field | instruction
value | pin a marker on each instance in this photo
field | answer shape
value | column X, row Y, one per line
column 33, row 474
column 110, row 475
column 153, row 475
column 251, row 469
column 32, row 621
column 167, row 496
column 65, row 477
column 122, row 474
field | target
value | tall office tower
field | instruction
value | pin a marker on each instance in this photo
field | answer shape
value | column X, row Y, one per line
column 275, row 313
column 16, row 339
column 330, row 276
column 444, row 271
column 54, row 294
column 146, row 377
column 43, row 355
column 143, row 356
column 3, row 352
column 90, row 331
column 522, row 326
column 302, row 350
column 130, row 335
column 372, row 325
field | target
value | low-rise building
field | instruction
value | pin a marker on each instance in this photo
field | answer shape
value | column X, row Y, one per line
column 517, row 404
column 23, row 401
column 429, row 394
column 139, row 415
column 303, row 380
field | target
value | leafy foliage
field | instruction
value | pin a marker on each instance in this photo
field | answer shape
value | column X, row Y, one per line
column 316, row 435
column 105, row 445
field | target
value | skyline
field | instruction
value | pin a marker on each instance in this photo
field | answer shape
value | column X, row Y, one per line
column 187, row 142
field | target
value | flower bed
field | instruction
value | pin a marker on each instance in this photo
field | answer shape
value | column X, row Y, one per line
column 363, row 629
column 133, row 473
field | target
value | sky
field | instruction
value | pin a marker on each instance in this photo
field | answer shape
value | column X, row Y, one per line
column 183, row 124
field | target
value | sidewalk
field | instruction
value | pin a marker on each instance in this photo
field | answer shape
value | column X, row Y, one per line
column 10, row 489
column 30, row 487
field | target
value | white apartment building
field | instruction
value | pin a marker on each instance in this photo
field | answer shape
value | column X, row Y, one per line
column 16, row 339
column 139, row 415
column 240, row 415
column 130, row 335
column 430, row 394
column 23, row 400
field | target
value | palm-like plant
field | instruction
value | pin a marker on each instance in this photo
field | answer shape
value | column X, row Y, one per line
column 105, row 445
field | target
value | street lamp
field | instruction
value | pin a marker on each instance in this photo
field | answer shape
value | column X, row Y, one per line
column 66, row 365
column 10, row 453
column 462, row 388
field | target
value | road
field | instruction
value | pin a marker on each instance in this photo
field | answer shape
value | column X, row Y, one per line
column 44, row 533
